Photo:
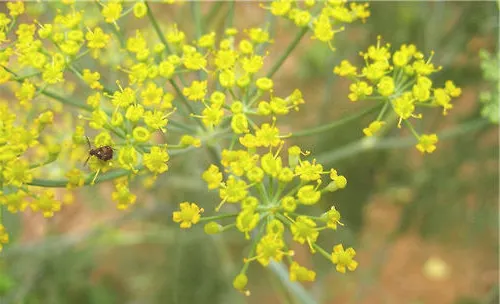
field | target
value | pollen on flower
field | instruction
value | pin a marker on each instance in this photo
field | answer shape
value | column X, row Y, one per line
column 156, row 160
column 301, row 274
column 332, row 218
column 188, row 214
column 427, row 143
column 373, row 128
column 196, row 91
column 213, row 177
column 344, row 259
column 246, row 221
column 304, row 229
column 122, row 196
column 308, row 195
column 46, row 203
column 4, row 237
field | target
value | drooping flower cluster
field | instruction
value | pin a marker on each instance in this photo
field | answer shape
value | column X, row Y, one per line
column 401, row 81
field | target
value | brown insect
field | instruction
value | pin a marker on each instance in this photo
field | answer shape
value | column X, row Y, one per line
column 103, row 153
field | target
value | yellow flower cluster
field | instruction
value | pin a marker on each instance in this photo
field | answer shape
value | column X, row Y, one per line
column 269, row 189
column 399, row 80
column 324, row 18
column 170, row 94
column 164, row 87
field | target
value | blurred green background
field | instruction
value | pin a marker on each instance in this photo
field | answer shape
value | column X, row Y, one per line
column 425, row 228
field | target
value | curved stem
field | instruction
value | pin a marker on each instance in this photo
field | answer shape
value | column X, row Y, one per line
column 373, row 143
column 157, row 28
column 334, row 124
column 195, row 11
column 287, row 52
column 61, row 183
column 53, row 95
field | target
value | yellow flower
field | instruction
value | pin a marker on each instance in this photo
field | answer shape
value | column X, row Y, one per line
column 300, row 273
column 259, row 35
column 345, row 69
column 239, row 123
column 75, row 178
column 271, row 165
column 332, row 218
column 122, row 196
column 46, row 204
column 141, row 134
column 196, row 91
column 280, row 7
column 359, row 90
column 156, row 160
column 268, row 135
column 304, row 229
column 373, row 128
column 127, row 158
column 213, row 177
column 234, row 190
column 270, row 247
column 17, row 173
column 15, row 202
column 188, row 215
column 134, row 112
column 111, row 11
column 194, row 61
column 264, row 83
column 322, row 28
column 4, row 237
column 344, row 258
column 288, row 203
column 16, row 8
column 308, row 195
column 386, row 86
column 140, row 10
column 427, row 143
column 188, row 140
column 246, row 221
column 308, row 171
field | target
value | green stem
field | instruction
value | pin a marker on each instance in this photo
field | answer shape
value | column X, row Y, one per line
column 296, row 289
column 36, row 182
column 384, row 109
column 256, row 237
column 322, row 251
column 410, row 126
column 79, row 74
column 212, row 13
column 195, row 11
column 218, row 217
column 113, row 28
column 157, row 28
column 287, row 52
column 334, row 124
column 230, row 15
column 369, row 143
column 20, row 78
column 53, row 95
column 185, row 101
